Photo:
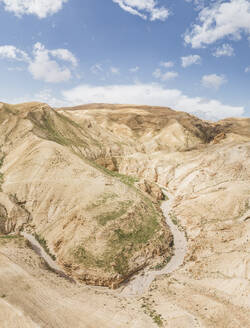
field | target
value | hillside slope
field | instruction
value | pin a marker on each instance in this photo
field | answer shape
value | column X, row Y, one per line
column 94, row 221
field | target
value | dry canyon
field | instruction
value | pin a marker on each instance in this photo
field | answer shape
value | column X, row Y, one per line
column 119, row 216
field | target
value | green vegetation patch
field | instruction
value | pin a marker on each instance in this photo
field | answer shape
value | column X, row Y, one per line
column 162, row 264
column 1, row 174
column 85, row 257
column 126, row 179
column 61, row 129
column 156, row 317
column 9, row 237
column 122, row 243
column 138, row 235
column 1, row 161
column 102, row 201
column 16, row 239
column 44, row 245
column 1, row 180
column 174, row 219
column 121, row 265
column 104, row 218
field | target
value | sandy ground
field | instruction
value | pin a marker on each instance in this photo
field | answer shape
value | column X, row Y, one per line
column 32, row 296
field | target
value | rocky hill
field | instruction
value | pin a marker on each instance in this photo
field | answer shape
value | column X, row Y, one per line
column 94, row 221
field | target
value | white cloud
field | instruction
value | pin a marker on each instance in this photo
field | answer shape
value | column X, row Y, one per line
column 41, row 64
column 114, row 70
column 43, row 68
column 169, row 76
column 144, row 9
column 138, row 94
column 190, row 60
column 17, row 68
column 44, row 96
column 157, row 73
column 47, row 96
column 164, row 76
column 64, row 54
column 167, row 64
column 40, row 8
column 213, row 81
column 220, row 20
column 150, row 94
column 225, row 50
column 96, row 69
column 11, row 52
column 199, row 4
column 134, row 69
column 247, row 69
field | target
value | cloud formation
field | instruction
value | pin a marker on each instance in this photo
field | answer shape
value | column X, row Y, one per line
column 11, row 52
column 221, row 19
column 224, row 50
column 146, row 9
column 164, row 76
column 213, row 81
column 190, row 60
column 96, row 69
column 167, row 64
column 41, row 63
column 150, row 94
column 40, row 8
column 43, row 67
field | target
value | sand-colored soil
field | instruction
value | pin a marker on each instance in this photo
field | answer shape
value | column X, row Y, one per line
column 205, row 166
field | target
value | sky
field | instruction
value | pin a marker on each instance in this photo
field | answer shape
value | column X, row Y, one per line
column 190, row 55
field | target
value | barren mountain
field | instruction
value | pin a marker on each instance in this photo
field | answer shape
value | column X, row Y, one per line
column 85, row 182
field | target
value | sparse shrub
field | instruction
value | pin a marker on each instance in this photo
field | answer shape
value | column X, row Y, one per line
column 162, row 264
column 44, row 245
column 174, row 219
column 104, row 218
column 157, row 318
column 1, row 174
column 102, row 201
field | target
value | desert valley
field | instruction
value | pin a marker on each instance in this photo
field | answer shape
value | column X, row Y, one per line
column 123, row 216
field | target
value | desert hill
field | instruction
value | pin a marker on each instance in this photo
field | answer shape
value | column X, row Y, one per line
column 85, row 180
column 94, row 221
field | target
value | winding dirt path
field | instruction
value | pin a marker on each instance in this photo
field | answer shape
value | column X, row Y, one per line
column 140, row 283
column 41, row 252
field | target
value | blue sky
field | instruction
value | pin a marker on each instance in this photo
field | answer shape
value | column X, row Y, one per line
column 191, row 55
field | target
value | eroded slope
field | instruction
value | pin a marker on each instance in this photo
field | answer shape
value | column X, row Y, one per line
column 204, row 165
column 93, row 221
